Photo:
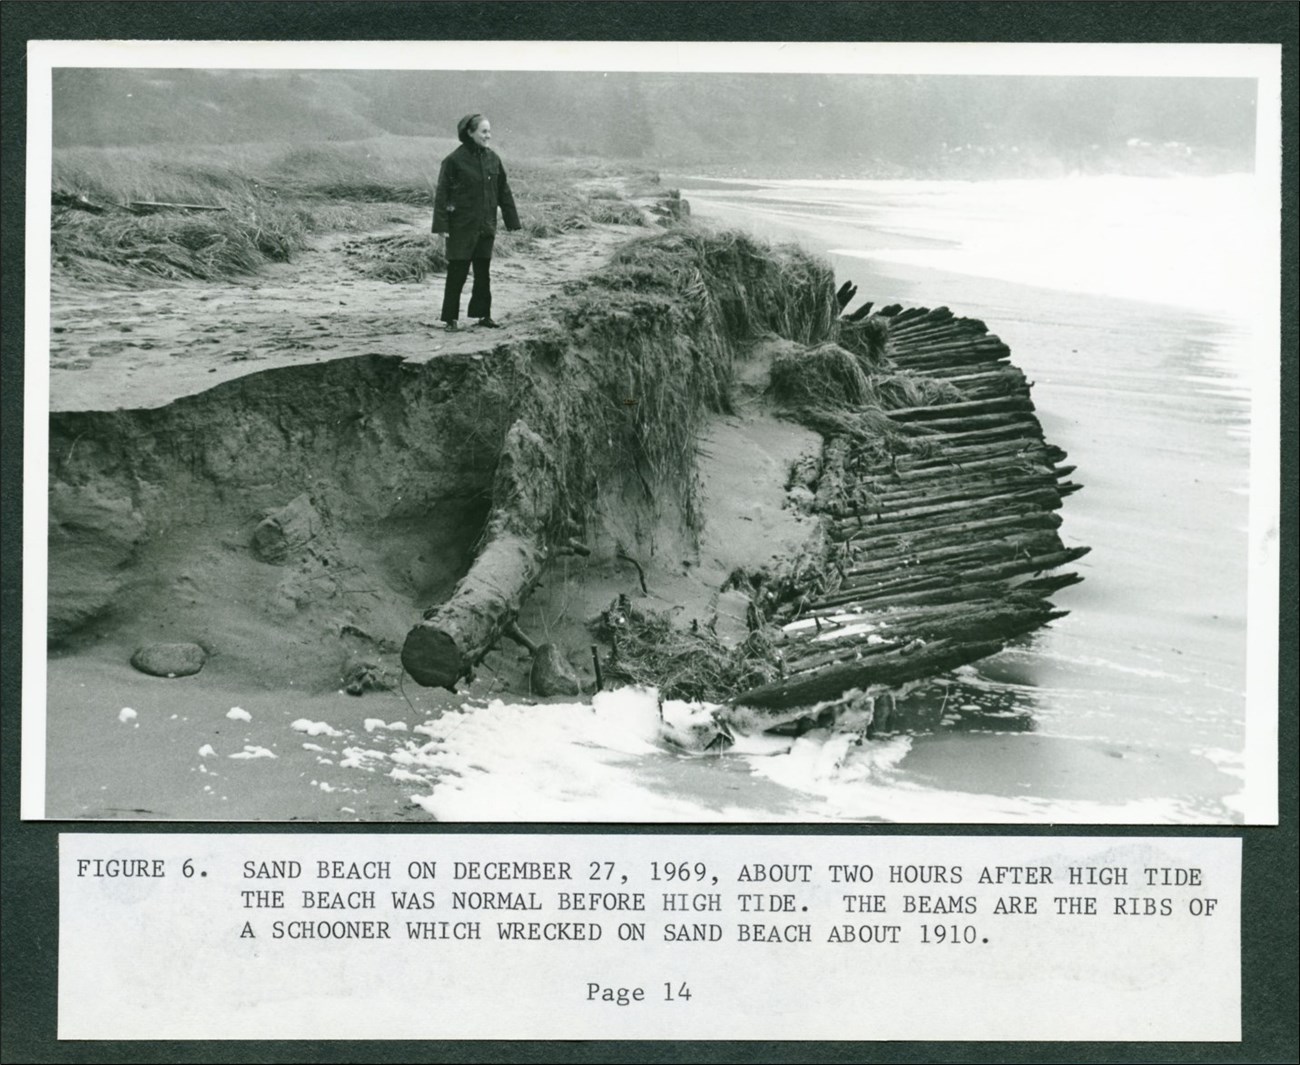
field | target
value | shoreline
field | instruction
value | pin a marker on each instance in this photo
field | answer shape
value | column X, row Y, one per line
column 1072, row 345
column 920, row 753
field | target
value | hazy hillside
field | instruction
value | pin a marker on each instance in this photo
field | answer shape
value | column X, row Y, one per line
column 855, row 126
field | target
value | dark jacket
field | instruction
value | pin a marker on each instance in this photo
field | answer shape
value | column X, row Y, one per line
column 471, row 185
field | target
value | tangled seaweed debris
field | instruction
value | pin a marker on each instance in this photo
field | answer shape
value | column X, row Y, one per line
column 648, row 649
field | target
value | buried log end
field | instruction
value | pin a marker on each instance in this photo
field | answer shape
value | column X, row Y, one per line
column 432, row 658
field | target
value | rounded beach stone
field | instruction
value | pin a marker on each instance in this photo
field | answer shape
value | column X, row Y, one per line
column 169, row 659
column 551, row 674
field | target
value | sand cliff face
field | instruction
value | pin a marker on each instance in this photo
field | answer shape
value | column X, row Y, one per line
column 373, row 474
column 153, row 512
column 294, row 523
column 729, row 490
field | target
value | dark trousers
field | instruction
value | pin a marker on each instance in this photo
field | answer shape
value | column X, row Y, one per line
column 480, row 296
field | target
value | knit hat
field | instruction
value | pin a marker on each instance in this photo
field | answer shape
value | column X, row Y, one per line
column 464, row 125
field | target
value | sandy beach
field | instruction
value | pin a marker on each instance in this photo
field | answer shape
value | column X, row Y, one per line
column 260, row 733
column 1136, row 700
column 1128, row 710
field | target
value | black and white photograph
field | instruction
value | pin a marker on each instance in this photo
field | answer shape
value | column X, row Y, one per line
column 538, row 544
column 637, row 433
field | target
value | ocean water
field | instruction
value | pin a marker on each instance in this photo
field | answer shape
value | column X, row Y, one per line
column 1134, row 305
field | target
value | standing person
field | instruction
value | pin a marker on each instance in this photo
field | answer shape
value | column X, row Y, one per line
column 471, row 186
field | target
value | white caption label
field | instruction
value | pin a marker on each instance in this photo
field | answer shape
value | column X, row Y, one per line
column 648, row 937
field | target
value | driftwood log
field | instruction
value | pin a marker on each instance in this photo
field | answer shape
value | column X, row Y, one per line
column 936, row 555
column 928, row 557
column 452, row 638
column 153, row 206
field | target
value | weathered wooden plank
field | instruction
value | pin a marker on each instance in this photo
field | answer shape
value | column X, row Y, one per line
column 944, row 549
column 1046, row 498
column 922, row 532
column 985, row 620
column 895, row 667
column 992, row 405
column 1034, row 542
column 871, row 498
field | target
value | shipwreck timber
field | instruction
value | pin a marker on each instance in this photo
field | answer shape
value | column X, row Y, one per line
column 332, row 503
column 938, row 499
column 941, row 546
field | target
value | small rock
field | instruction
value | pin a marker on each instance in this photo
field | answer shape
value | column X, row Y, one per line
column 362, row 674
column 799, row 496
column 169, row 659
column 284, row 531
column 552, row 674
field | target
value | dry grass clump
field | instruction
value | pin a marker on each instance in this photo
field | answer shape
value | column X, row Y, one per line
column 897, row 390
column 849, row 392
column 647, row 648
column 550, row 219
column 829, row 377
column 397, row 258
column 867, row 338
column 616, row 213
column 737, row 286
column 273, row 199
column 824, row 376
column 175, row 246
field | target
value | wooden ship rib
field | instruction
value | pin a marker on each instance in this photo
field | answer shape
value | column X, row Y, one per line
column 937, row 495
column 939, row 556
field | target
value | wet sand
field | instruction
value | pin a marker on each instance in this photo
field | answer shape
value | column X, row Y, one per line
column 1129, row 710
column 124, row 745
column 1137, row 698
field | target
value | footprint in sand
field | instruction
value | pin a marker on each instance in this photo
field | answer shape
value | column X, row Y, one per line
column 108, row 347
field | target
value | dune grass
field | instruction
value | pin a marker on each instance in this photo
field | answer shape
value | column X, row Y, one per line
column 176, row 246
column 396, row 258
column 680, row 307
column 847, row 388
column 273, row 200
